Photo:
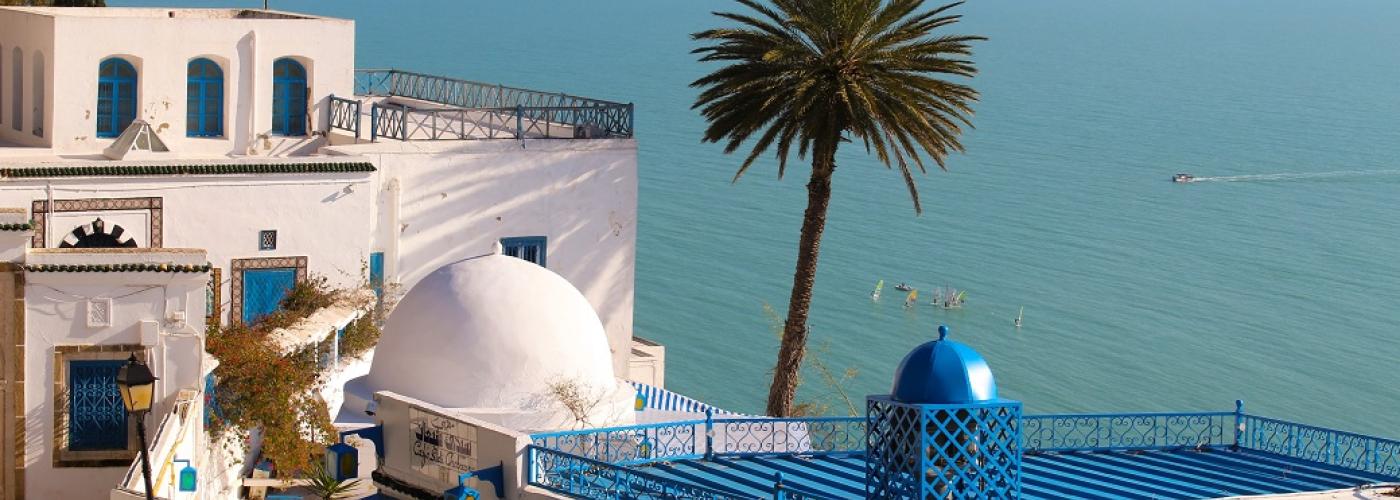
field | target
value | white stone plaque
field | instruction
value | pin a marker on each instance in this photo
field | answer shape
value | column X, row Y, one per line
column 443, row 447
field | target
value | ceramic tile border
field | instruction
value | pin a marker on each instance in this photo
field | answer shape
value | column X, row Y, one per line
column 235, row 308
column 153, row 204
column 59, row 455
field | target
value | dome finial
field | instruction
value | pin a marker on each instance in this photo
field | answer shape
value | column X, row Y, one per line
column 942, row 332
column 497, row 248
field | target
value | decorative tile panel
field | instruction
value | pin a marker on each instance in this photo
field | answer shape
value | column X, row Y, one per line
column 154, row 205
column 239, row 266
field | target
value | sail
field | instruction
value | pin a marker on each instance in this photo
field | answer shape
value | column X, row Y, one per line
column 879, row 285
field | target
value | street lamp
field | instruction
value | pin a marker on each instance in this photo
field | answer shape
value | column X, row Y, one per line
column 136, row 384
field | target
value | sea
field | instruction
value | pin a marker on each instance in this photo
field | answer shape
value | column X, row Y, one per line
column 1275, row 280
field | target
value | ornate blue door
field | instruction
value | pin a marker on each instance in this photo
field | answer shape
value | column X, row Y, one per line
column 263, row 290
column 96, row 417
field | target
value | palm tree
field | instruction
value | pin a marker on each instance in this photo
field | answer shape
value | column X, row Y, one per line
column 815, row 74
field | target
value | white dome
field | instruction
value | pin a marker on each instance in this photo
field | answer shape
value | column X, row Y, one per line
column 497, row 337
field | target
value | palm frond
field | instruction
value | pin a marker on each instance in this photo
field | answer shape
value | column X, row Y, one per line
column 799, row 76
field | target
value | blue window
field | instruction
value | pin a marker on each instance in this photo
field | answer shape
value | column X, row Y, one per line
column 263, row 291
column 116, row 97
column 288, row 97
column 531, row 248
column 96, row 416
column 204, row 99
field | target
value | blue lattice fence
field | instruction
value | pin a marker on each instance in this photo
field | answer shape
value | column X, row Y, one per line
column 935, row 451
column 1339, row 448
column 1127, row 431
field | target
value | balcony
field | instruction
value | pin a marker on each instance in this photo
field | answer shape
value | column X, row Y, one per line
column 405, row 106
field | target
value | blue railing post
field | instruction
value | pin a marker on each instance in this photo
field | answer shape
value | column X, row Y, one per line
column 778, row 487
column 519, row 126
column 1239, row 421
column 374, row 122
column 631, row 119
column 709, row 434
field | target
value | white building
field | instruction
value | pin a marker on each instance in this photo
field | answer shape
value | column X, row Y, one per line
column 217, row 146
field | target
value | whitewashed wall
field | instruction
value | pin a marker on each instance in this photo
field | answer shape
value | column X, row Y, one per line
column 55, row 316
column 491, row 445
column 33, row 34
column 457, row 198
column 322, row 216
column 160, row 43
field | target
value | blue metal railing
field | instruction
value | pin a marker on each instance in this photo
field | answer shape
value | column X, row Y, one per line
column 594, row 463
column 345, row 115
column 582, row 477
column 803, row 436
column 475, row 110
column 630, row 445
column 1127, row 431
column 1317, row 444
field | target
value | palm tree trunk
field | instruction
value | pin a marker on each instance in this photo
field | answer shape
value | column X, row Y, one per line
column 786, row 373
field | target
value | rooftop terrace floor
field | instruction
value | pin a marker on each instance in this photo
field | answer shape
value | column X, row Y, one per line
column 1089, row 475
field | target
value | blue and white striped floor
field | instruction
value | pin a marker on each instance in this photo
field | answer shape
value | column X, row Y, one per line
column 1130, row 475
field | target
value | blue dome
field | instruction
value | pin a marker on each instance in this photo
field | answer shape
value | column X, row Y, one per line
column 943, row 372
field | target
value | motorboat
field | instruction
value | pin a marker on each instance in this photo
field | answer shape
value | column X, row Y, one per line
column 1183, row 178
column 903, row 287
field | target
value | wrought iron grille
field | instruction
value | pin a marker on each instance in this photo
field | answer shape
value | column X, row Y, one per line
column 96, row 416
column 762, row 436
column 582, row 477
column 1344, row 449
column 630, row 445
column 1127, row 431
column 476, row 110
column 942, row 451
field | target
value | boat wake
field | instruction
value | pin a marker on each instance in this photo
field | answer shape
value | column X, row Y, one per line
column 1295, row 176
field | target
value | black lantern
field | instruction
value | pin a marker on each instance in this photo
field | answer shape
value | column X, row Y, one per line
column 137, row 385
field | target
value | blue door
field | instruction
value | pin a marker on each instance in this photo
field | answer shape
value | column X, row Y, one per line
column 376, row 273
column 263, row 290
column 96, row 416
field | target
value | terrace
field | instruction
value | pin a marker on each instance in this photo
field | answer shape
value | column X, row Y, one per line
column 405, row 106
column 1130, row 455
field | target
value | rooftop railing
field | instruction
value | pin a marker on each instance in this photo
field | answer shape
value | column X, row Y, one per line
column 1317, row 444
column 447, row 108
column 609, row 455
column 1126, row 431
column 594, row 463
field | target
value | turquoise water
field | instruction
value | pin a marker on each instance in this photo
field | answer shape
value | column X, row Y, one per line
column 1139, row 294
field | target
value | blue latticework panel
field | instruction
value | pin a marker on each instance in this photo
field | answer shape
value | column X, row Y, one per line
column 942, row 451
column 263, row 290
column 96, row 416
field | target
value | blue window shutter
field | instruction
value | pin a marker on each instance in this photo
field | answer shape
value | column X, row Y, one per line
column 96, row 416
column 116, row 97
column 376, row 273
column 531, row 248
column 288, row 97
column 263, row 291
